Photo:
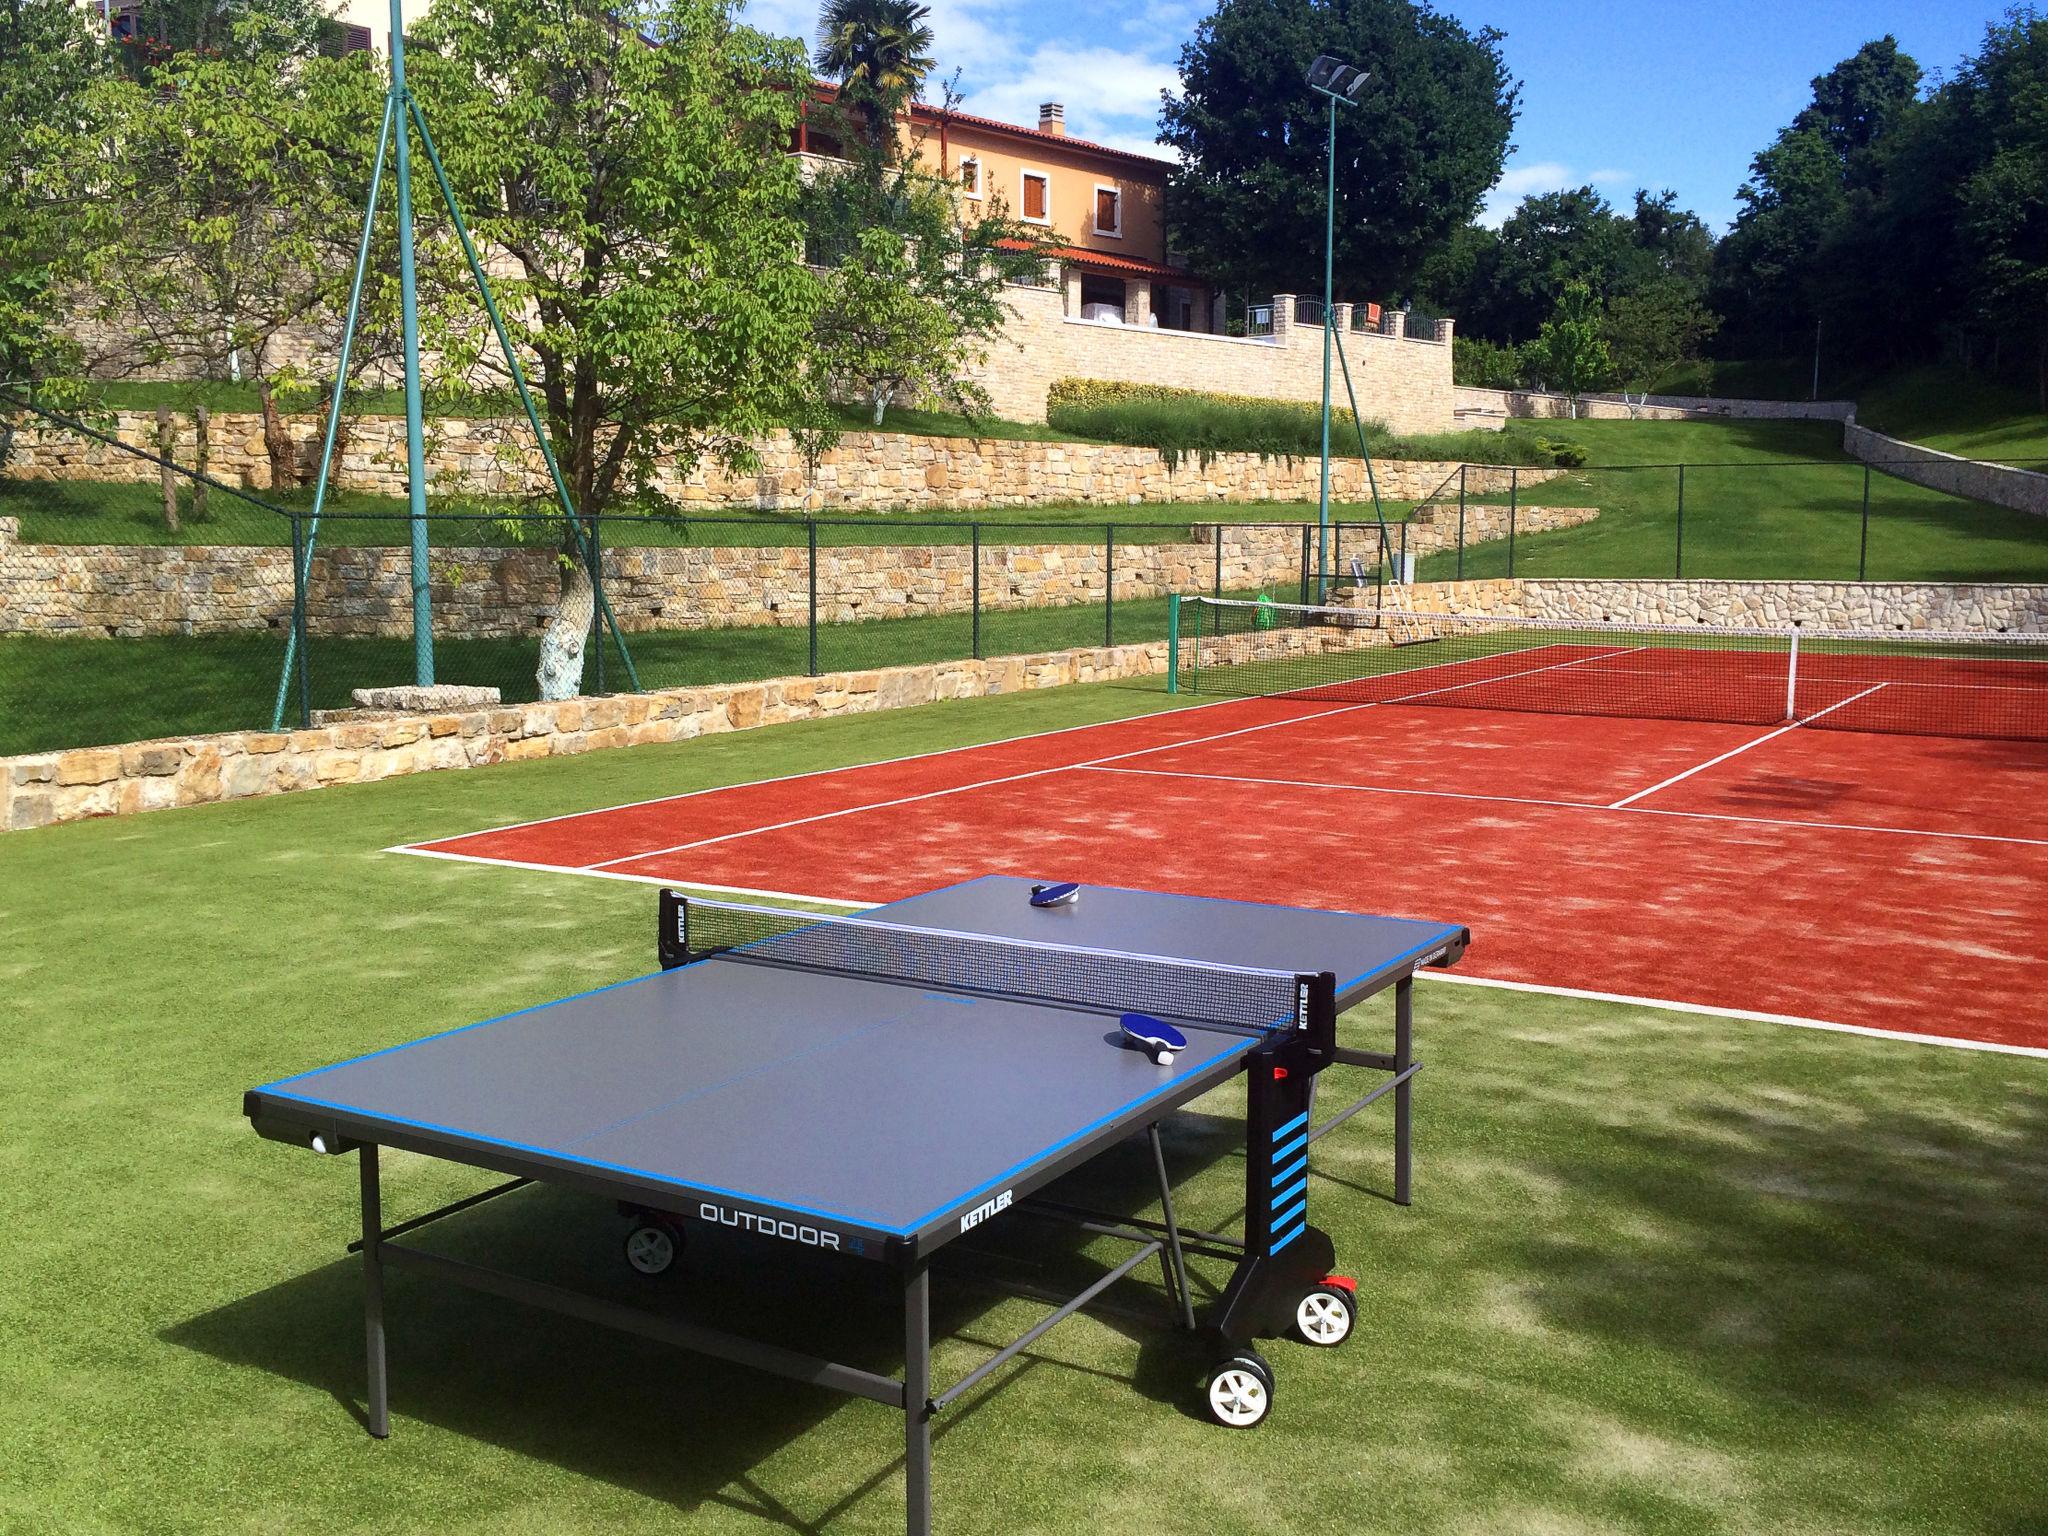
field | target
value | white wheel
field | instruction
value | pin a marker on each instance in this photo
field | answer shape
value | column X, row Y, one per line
column 1240, row 1393
column 650, row 1248
column 1324, row 1316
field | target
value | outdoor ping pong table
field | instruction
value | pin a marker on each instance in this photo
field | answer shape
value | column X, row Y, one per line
column 877, row 1086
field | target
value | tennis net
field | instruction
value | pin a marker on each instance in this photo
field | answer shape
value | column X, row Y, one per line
column 1987, row 685
column 1196, row 991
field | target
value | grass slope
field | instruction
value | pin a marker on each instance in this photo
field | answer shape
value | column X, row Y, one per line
column 1666, row 1276
column 1755, row 509
column 1958, row 412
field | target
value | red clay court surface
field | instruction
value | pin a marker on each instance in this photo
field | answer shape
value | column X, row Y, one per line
column 1878, row 881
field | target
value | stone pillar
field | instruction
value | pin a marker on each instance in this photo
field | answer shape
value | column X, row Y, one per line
column 1341, row 313
column 1070, row 278
column 1444, row 329
column 1394, row 323
column 1137, row 301
column 1216, row 320
column 1283, row 316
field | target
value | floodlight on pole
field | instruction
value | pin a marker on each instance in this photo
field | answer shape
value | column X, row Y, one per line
column 1340, row 82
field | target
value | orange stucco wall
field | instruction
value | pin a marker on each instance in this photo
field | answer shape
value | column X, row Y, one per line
column 1074, row 172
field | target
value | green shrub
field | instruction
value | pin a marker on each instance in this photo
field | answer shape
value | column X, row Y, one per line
column 1562, row 452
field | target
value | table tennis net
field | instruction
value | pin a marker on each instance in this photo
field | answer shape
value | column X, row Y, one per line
column 1192, row 991
column 1987, row 685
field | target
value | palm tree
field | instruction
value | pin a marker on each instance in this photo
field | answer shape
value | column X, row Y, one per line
column 879, row 51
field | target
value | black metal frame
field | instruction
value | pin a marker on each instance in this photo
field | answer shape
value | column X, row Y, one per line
column 1283, row 1071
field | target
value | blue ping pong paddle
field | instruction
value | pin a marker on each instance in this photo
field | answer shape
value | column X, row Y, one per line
column 1064, row 894
column 1158, row 1038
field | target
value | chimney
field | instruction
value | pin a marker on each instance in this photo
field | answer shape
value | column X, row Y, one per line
column 1052, row 118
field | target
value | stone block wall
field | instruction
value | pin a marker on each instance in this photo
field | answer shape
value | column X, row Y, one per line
column 865, row 472
column 2023, row 490
column 1492, row 407
column 46, row 788
column 1895, row 606
column 360, row 590
column 1402, row 380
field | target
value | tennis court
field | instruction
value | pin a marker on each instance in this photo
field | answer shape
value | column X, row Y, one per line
column 1620, row 811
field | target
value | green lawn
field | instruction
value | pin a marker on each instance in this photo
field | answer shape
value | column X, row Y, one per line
column 1755, row 508
column 1957, row 412
column 113, row 512
column 81, row 691
column 1667, row 1275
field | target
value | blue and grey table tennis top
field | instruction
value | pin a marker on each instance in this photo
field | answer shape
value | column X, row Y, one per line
column 868, row 1115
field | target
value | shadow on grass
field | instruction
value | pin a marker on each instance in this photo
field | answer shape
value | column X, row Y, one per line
column 679, row 1427
column 1840, row 1260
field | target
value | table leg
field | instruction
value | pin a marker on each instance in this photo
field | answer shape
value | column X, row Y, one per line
column 917, row 1391
column 379, row 1414
column 1175, row 1265
column 1404, row 1055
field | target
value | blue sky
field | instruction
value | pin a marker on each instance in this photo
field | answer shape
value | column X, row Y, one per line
column 1622, row 93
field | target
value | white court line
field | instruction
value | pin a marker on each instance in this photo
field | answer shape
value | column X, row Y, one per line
column 1096, row 762
column 1747, row 746
column 1706, row 1009
column 1574, row 805
column 1796, row 1020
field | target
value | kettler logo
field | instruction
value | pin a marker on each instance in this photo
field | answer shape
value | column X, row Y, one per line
column 983, row 1211
column 769, row 1226
column 1301, row 1007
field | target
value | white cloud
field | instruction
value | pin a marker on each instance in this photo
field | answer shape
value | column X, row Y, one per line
column 1106, row 91
column 1539, row 176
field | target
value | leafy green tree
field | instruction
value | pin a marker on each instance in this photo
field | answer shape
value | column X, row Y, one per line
column 913, row 284
column 225, row 245
column 630, row 164
column 1574, row 354
column 1654, row 330
column 880, row 52
column 1415, row 155
column 151, row 33
column 49, row 60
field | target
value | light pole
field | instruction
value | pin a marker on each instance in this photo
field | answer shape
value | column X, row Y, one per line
column 1340, row 82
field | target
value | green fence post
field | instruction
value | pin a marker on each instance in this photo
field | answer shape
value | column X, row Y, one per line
column 1678, row 566
column 1514, row 495
column 1461, row 522
column 1404, row 550
column 974, row 598
column 299, row 574
column 598, row 604
column 1863, row 547
column 811, row 544
column 1173, row 642
column 1218, row 612
column 1108, row 584
column 1306, row 545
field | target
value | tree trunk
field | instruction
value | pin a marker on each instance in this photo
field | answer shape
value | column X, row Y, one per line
column 881, row 395
column 166, row 474
column 202, row 455
column 562, row 642
column 277, row 443
column 340, row 430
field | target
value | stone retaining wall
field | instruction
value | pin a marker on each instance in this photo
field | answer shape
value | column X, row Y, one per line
column 1886, row 605
column 44, row 788
column 866, row 471
column 131, row 590
column 1493, row 407
column 2023, row 490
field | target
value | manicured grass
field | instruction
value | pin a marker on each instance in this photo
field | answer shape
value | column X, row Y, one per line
column 1958, row 412
column 1763, row 514
column 64, row 691
column 110, row 512
column 1667, row 1275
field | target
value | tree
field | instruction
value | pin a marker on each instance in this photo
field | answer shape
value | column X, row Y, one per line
column 150, row 33
column 1574, row 356
column 1653, row 331
column 630, row 163
column 233, row 226
column 880, row 52
column 1415, row 155
column 49, row 60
